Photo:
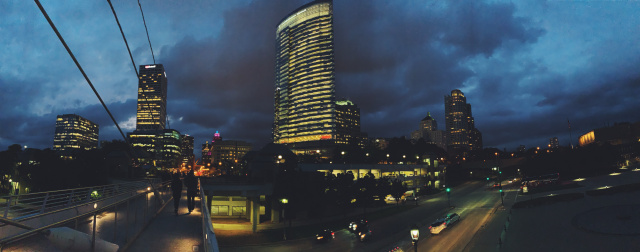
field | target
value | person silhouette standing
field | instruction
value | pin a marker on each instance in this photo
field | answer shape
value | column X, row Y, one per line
column 192, row 189
column 176, row 188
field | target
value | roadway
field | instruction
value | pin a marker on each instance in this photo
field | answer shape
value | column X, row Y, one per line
column 472, row 201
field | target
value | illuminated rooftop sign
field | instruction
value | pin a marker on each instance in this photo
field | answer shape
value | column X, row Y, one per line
column 150, row 66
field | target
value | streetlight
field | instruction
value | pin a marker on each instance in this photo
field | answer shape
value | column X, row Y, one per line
column 93, row 238
column 284, row 205
column 415, row 234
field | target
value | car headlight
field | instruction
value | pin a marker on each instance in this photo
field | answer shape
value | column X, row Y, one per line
column 320, row 237
column 362, row 236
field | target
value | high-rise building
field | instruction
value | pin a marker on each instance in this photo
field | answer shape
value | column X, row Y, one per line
column 74, row 132
column 348, row 123
column 169, row 149
column 228, row 153
column 462, row 136
column 152, row 98
column 187, row 149
column 206, row 153
column 429, row 132
column 304, row 113
column 553, row 143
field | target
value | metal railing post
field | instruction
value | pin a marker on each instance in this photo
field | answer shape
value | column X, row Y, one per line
column 44, row 203
column 6, row 210
column 71, row 197
column 126, row 224
column 115, row 222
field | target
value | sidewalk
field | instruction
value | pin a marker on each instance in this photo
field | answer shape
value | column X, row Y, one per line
column 168, row 232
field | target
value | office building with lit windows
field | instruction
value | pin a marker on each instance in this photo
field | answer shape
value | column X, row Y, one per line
column 304, row 111
column 74, row 132
column 348, row 123
column 152, row 98
column 187, row 149
column 461, row 134
column 429, row 132
column 228, row 153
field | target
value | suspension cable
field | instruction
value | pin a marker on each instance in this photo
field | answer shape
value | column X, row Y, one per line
column 80, row 68
column 145, row 28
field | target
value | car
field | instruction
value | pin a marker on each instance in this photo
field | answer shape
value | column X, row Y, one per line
column 412, row 198
column 364, row 233
column 353, row 226
column 444, row 222
column 325, row 235
column 497, row 185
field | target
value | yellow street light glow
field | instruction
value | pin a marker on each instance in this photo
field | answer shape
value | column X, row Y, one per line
column 578, row 179
column 615, row 174
column 149, row 188
column 95, row 205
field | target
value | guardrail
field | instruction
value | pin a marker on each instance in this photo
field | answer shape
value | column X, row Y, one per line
column 32, row 205
column 208, row 236
column 42, row 211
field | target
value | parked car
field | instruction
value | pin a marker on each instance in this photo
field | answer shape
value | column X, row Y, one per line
column 353, row 226
column 444, row 222
column 325, row 235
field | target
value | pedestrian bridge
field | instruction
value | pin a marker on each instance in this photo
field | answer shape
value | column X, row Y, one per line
column 131, row 216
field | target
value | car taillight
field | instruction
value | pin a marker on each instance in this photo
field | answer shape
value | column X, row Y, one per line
column 332, row 233
column 429, row 227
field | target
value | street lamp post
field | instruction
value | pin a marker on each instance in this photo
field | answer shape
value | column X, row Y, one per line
column 284, row 206
column 449, row 196
column 93, row 238
column 415, row 234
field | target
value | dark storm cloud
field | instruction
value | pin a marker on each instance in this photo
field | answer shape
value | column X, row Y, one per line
column 394, row 58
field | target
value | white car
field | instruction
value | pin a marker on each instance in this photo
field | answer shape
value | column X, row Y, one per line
column 442, row 223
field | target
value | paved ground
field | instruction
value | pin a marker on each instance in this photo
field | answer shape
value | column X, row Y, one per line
column 168, row 232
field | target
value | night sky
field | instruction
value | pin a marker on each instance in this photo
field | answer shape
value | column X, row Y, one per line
column 526, row 67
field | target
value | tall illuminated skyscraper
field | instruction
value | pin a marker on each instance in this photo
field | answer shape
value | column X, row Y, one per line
column 152, row 98
column 462, row 136
column 304, row 113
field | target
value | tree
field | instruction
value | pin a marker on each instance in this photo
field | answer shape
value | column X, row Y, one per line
column 398, row 188
column 382, row 189
column 365, row 190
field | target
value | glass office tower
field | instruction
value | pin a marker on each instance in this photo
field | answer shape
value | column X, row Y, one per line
column 305, row 76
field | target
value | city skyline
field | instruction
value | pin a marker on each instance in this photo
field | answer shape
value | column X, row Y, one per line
column 527, row 67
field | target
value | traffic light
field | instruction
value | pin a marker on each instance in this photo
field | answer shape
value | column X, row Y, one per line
column 500, row 172
column 448, row 189
column 501, row 192
column 487, row 178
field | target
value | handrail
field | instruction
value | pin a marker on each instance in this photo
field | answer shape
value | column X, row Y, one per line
column 30, row 205
column 23, row 235
column 209, row 237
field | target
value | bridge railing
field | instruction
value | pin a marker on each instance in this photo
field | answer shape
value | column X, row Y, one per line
column 209, row 237
column 34, row 204
column 138, row 202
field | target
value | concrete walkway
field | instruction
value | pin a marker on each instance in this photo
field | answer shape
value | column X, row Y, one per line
column 170, row 232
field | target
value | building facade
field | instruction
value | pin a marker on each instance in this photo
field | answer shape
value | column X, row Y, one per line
column 304, row 111
column 228, row 153
column 553, row 143
column 461, row 134
column 74, row 132
column 348, row 123
column 429, row 132
column 187, row 150
column 152, row 98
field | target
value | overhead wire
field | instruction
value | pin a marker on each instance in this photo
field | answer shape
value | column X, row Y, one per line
column 129, row 50
column 80, row 68
column 145, row 28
